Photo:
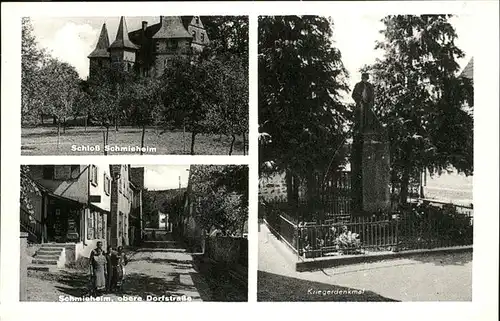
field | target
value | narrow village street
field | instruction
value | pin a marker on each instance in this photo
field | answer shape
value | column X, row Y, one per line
column 434, row 277
column 159, row 271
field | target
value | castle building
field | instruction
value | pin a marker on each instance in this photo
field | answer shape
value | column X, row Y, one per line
column 149, row 50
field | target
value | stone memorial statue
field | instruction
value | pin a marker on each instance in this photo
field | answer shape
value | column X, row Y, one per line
column 370, row 161
column 364, row 96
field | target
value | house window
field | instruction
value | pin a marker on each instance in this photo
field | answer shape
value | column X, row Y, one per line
column 90, row 225
column 107, row 184
column 65, row 172
column 75, row 171
column 157, row 46
column 99, row 226
column 48, row 172
column 120, row 184
column 120, row 225
column 93, row 175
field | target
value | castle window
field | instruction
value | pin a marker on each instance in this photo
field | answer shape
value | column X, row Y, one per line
column 173, row 44
column 194, row 34
column 157, row 46
column 202, row 37
column 197, row 19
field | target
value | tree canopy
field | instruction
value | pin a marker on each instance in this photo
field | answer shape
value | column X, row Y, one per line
column 420, row 98
column 301, row 79
column 220, row 196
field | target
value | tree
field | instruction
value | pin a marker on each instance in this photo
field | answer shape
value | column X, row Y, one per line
column 60, row 82
column 420, row 99
column 83, row 103
column 146, row 100
column 189, row 91
column 102, row 97
column 301, row 117
column 28, row 187
column 32, row 60
column 229, row 116
column 228, row 35
column 221, row 197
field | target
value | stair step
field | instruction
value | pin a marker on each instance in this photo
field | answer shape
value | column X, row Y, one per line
column 39, row 267
column 42, row 261
column 50, row 250
column 47, row 256
column 56, row 245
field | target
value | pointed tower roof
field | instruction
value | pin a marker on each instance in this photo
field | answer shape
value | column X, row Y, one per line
column 468, row 71
column 101, row 49
column 122, row 40
column 171, row 27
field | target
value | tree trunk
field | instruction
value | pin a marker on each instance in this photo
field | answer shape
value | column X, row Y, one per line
column 193, row 135
column 85, row 122
column 58, row 132
column 244, row 144
column 116, row 123
column 232, row 144
column 64, row 125
column 105, row 136
column 142, row 137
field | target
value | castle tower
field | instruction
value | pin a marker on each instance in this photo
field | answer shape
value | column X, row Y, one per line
column 99, row 58
column 122, row 51
column 171, row 39
column 198, row 33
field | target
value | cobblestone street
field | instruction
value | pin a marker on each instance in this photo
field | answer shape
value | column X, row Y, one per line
column 153, row 274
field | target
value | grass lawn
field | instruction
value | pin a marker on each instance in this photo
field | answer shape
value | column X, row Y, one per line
column 43, row 141
column 274, row 287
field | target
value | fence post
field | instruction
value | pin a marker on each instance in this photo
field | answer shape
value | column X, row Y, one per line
column 396, row 235
column 23, row 267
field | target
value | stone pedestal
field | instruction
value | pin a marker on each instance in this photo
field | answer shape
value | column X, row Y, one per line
column 370, row 166
column 375, row 173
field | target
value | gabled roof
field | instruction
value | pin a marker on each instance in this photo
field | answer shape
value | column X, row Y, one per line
column 101, row 49
column 468, row 71
column 122, row 40
column 171, row 27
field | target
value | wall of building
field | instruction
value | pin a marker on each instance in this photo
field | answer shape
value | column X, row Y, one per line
column 98, row 189
column 74, row 188
column 121, row 201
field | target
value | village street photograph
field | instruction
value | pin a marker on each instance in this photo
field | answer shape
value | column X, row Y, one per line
column 133, row 233
column 167, row 85
column 366, row 131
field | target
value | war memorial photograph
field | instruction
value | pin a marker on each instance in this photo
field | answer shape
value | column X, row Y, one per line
column 366, row 130
column 168, row 85
column 134, row 233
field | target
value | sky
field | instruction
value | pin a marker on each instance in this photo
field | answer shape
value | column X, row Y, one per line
column 162, row 177
column 72, row 39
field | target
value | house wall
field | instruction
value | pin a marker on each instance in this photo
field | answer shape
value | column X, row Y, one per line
column 73, row 188
column 121, row 202
column 98, row 189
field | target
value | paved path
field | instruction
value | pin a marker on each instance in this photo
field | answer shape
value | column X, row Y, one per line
column 153, row 274
column 436, row 277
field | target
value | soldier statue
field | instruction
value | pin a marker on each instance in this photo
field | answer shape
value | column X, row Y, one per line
column 363, row 95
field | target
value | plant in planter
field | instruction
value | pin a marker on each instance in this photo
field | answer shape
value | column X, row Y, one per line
column 348, row 242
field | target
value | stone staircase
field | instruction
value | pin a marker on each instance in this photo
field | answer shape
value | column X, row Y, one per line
column 50, row 257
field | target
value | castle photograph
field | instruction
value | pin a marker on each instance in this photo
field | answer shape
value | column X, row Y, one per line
column 168, row 85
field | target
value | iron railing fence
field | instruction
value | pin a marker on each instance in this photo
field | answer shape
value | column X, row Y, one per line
column 419, row 227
